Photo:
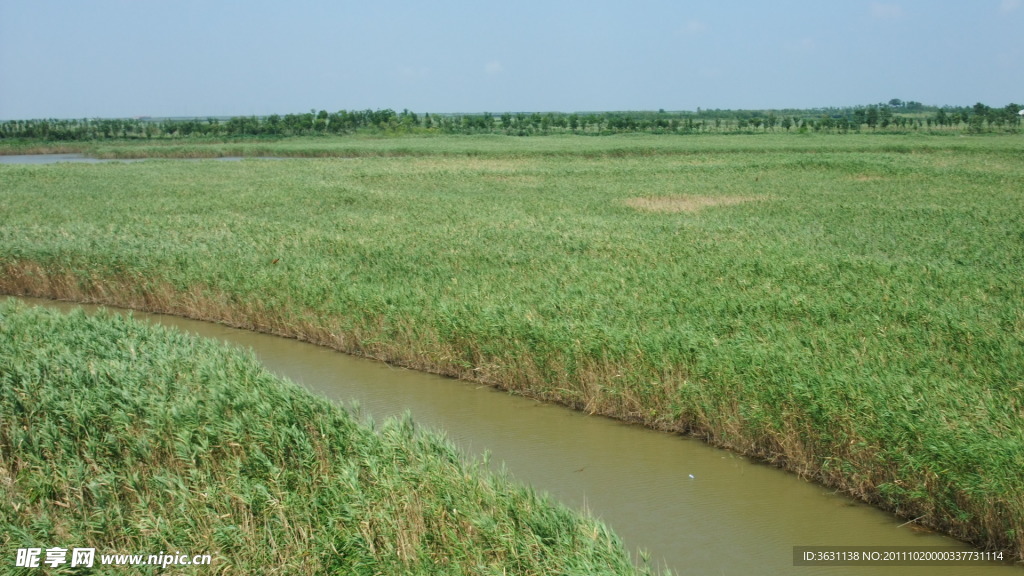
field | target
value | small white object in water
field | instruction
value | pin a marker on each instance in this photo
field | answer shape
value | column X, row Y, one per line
column 691, row 476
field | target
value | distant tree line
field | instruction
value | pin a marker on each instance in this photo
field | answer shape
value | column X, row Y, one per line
column 895, row 116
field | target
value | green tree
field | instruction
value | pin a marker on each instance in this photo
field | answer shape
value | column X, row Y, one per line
column 1012, row 114
column 272, row 125
column 321, row 121
column 871, row 116
column 859, row 117
column 885, row 116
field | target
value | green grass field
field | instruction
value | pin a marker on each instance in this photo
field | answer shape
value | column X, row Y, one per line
column 848, row 307
column 132, row 439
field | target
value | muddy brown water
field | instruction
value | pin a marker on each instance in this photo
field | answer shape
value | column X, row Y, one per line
column 693, row 508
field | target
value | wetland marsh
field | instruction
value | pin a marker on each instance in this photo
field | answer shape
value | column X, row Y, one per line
column 845, row 307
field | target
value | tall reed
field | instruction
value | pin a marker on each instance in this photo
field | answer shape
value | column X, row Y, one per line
column 846, row 307
column 135, row 439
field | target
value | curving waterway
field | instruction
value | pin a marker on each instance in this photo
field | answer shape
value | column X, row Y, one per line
column 696, row 509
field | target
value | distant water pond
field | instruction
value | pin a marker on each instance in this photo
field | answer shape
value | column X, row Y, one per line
column 52, row 159
column 83, row 159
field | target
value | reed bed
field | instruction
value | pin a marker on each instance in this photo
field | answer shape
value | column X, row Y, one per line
column 856, row 319
column 136, row 439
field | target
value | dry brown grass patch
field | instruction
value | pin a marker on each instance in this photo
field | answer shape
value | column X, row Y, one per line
column 466, row 164
column 685, row 203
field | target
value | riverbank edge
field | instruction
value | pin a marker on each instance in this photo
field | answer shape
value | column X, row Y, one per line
column 97, row 418
column 719, row 427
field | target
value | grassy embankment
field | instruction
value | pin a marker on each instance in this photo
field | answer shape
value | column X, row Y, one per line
column 848, row 307
column 134, row 439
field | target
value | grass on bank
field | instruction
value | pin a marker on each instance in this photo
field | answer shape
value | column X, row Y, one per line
column 847, row 307
column 136, row 439
column 499, row 146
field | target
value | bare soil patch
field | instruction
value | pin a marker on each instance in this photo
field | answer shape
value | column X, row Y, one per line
column 685, row 203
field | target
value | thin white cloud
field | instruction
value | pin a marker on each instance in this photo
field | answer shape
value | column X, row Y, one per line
column 1007, row 6
column 694, row 27
column 881, row 11
column 493, row 67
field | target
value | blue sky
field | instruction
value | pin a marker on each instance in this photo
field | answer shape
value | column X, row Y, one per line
column 121, row 58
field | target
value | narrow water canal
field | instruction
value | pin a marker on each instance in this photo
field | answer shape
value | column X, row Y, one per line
column 696, row 509
column 53, row 159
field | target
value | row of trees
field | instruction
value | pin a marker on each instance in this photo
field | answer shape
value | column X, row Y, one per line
column 894, row 116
